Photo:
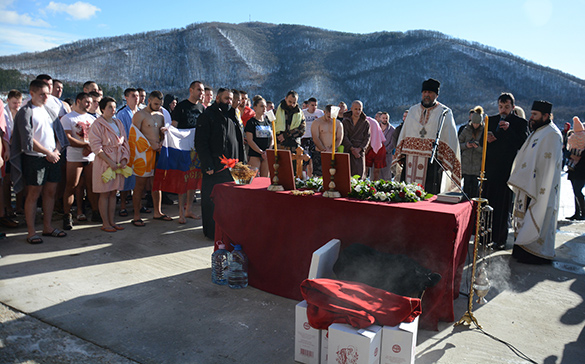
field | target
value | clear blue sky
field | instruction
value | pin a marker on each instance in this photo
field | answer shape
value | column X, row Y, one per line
column 543, row 31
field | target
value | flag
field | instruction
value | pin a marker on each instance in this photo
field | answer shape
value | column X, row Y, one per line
column 178, row 168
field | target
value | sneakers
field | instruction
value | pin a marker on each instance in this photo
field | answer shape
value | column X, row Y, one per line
column 67, row 221
column 8, row 222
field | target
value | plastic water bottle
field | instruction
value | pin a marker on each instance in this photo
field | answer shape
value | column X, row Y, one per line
column 220, row 264
column 238, row 272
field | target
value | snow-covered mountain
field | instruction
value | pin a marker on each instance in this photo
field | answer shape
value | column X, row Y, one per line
column 384, row 70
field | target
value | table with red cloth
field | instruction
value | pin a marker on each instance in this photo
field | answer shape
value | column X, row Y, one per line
column 280, row 231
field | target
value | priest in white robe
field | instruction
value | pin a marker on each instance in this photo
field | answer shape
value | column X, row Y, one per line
column 535, row 181
column 415, row 143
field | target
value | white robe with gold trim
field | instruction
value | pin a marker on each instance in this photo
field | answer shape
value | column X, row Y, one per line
column 417, row 146
column 536, row 175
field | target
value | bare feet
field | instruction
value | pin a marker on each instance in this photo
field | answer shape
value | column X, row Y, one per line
column 193, row 216
column 182, row 220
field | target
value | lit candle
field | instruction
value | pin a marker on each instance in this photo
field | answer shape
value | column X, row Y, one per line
column 274, row 137
column 485, row 133
column 334, row 113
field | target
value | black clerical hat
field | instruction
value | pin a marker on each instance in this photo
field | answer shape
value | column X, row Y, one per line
column 544, row 107
column 431, row 85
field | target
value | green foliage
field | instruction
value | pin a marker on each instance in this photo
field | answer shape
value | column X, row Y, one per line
column 312, row 183
column 12, row 79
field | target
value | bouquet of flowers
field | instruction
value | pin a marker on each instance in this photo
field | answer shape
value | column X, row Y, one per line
column 241, row 173
column 386, row 191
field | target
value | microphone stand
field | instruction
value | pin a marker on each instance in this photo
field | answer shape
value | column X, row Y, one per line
column 436, row 147
column 436, row 142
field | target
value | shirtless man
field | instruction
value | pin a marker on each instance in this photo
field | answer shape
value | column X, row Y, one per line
column 322, row 134
column 150, row 121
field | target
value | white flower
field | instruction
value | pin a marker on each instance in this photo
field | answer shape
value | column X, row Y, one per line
column 382, row 196
column 358, row 188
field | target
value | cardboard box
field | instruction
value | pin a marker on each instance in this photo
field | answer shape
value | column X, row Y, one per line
column 307, row 339
column 399, row 343
column 348, row 345
column 324, row 346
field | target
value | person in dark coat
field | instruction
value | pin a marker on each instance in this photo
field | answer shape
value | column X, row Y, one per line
column 576, row 170
column 218, row 134
column 506, row 134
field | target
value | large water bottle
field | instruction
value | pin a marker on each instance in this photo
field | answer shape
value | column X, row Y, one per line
column 238, row 272
column 220, row 264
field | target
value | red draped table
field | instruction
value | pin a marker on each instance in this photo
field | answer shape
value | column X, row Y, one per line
column 279, row 232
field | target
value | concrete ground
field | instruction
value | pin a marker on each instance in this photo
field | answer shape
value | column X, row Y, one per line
column 144, row 295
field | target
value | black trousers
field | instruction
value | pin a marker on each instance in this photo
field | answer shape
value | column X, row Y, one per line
column 207, row 206
column 433, row 180
column 499, row 197
column 471, row 185
column 578, row 185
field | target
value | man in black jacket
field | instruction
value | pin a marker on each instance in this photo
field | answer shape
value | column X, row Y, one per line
column 218, row 134
column 506, row 134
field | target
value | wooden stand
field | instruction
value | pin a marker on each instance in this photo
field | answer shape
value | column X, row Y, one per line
column 336, row 174
column 281, row 170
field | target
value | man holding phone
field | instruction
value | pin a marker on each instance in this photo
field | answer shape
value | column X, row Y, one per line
column 506, row 134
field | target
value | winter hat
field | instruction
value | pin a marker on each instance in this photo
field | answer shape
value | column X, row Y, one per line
column 431, row 85
column 477, row 115
column 544, row 107
column 476, row 118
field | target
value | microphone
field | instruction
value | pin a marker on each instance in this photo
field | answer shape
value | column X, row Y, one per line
column 502, row 118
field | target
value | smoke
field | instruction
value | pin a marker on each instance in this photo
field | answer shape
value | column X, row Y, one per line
column 498, row 272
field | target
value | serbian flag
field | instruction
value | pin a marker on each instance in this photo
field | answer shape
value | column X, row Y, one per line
column 178, row 168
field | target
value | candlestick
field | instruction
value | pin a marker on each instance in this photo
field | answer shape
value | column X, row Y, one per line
column 275, row 186
column 331, row 192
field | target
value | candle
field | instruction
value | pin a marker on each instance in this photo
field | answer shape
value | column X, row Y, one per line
column 333, row 151
column 334, row 113
column 274, row 138
column 485, row 133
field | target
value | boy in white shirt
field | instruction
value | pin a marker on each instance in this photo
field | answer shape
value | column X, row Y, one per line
column 37, row 141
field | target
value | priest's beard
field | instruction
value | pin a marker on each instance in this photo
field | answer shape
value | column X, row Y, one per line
column 535, row 124
column 428, row 103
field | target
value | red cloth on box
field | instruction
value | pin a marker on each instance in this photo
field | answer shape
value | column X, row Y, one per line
column 331, row 301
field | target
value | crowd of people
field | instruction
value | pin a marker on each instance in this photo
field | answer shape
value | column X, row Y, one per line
column 89, row 152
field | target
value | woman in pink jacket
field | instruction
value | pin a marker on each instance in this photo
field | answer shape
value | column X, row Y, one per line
column 109, row 142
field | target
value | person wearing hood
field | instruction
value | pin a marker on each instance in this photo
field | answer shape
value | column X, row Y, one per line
column 471, row 145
